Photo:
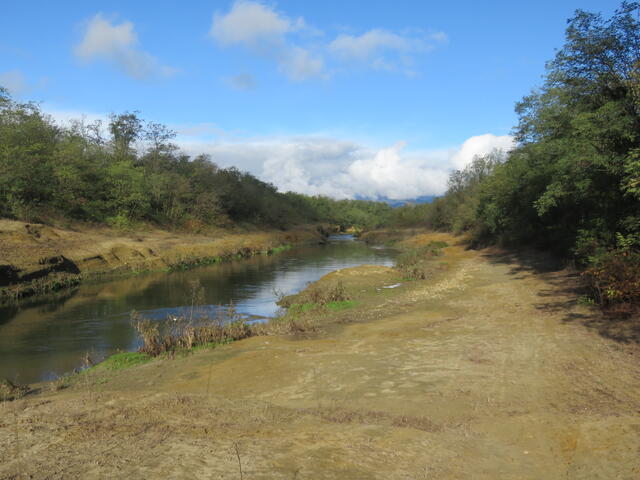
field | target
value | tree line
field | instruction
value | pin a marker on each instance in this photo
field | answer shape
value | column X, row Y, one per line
column 130, row 171
column 572, row 183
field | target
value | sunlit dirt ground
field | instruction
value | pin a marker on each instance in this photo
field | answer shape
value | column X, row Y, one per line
column 489, row 369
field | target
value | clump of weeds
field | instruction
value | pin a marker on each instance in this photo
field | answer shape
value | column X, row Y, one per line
column 417, row 263
column 184, row 333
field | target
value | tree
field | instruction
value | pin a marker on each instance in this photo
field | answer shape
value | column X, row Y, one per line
column 571, row 182
column 125, row 128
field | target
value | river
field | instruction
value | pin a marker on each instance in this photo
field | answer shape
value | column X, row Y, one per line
column 46, row 338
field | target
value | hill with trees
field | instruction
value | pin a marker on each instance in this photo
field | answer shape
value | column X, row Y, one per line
column 130, row 171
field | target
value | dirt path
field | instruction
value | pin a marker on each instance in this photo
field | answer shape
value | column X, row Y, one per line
column 485, row 372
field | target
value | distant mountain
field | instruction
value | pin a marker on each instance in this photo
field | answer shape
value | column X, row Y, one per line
column 398, row 203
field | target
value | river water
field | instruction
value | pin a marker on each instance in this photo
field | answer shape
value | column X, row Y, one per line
column 41, row 340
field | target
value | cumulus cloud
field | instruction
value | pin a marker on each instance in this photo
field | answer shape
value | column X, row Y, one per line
column 389, row 174
column 343, row 169
column 347, row 170
column 251, row 23
column 262, row 30
column 368, row 44
column 118, row 45
column 14, row 81
column 272, row 35
column 481, row 145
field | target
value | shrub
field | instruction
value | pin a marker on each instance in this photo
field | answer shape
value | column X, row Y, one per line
column 184, row 332
column 614, row 280
column 416, row 263
column 321, row 295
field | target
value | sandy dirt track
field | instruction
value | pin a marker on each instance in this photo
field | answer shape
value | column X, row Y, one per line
column 489, row 370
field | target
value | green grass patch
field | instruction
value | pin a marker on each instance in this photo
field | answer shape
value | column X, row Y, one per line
column 303, row 307
column 340, row 305
column 120, row 361
column 334, row 306
column 280, row 248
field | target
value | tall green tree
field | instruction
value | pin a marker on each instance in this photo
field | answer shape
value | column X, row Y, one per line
column 571, row 183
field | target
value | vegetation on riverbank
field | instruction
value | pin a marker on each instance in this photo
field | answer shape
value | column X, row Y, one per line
column 204, row 329
column 302, row 313
column 572, row 183
column 417, row 263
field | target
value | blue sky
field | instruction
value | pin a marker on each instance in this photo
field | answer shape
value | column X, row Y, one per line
column 346, row 98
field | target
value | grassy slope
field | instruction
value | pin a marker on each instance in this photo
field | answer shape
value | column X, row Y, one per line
column 484, row 371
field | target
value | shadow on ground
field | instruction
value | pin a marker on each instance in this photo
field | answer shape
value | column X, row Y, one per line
column 565, row 288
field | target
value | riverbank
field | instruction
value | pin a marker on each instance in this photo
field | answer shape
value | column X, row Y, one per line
column 37, row 259
column 490, row 368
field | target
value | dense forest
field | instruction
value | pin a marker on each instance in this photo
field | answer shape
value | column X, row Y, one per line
column 129, row 171
column 572, row 184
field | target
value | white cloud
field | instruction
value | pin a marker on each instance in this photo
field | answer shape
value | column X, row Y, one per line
column 481, row 145
column 344, row 169
column 389, row 174
column 262, row 30
column 368, row 44
column 14, row 81
column 294, row 47
column 382, row 49
column 249, row 23
column 118, row 44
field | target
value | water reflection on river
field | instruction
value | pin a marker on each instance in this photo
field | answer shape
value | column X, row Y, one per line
column 39, row 341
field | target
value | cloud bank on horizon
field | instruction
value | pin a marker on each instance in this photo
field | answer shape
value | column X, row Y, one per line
column 344, row 169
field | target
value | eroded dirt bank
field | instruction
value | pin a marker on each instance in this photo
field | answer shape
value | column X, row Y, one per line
column 36, row 258
column 488, row 370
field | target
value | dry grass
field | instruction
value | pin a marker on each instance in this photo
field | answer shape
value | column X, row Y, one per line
column 366, row 417
column 185, row 333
